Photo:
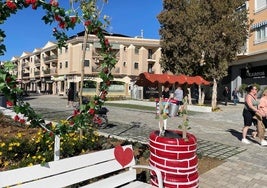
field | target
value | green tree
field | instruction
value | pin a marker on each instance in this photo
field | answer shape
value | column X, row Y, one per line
column 200, row 37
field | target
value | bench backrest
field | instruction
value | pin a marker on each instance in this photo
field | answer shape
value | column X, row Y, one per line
column 72, row 170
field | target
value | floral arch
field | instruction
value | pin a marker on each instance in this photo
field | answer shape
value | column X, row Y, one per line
column 65, row 20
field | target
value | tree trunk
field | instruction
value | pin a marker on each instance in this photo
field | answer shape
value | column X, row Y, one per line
column 199, row 95
column 202, row 97
column 214, row 95
column 85, row 39
column 189, row 96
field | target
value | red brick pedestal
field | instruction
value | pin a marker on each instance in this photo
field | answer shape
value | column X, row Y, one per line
column 176, row 158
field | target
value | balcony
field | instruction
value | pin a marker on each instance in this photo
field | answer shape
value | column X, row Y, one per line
column 37, row 73
column 50, row 58
column 50, row 71
column 96, row 69
column 37, row 62
column 115, row 70
column 26, row 75
column 151, row 58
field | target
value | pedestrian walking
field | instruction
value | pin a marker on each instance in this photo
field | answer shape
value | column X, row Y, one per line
column 249, row 111
column 226, row 95
column 70, row 97
column 235, row 96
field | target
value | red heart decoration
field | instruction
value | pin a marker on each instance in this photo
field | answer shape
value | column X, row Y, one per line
column 123, row 156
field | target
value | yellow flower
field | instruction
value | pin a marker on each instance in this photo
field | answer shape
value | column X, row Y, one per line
column 30, row 164
column 3, row 144
column 6, row 163
column 1, row 153
column 19, row 135
column 10, row 148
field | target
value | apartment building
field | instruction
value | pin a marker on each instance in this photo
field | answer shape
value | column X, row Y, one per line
column 50, row 70
column 251, row 66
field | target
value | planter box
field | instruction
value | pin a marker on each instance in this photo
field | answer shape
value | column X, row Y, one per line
column 197, row 108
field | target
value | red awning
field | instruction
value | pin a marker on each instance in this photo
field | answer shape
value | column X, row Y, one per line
column 147, row 79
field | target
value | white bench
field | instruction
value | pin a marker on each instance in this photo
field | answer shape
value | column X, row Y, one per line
column 69, row 171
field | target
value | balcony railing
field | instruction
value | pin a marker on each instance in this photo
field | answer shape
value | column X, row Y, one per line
column 49, row 58
column 50, row 71
column 26, row 75
column 37, row 73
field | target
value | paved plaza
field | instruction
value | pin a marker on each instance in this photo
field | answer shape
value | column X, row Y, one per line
column 218, row 135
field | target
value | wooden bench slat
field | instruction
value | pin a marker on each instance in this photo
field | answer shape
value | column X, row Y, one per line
column 75, row 176
column 56, row 167
column 114, row 181
column 66, row 172
column 138, row 184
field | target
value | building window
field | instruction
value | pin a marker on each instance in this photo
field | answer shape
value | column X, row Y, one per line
column 87, row 46
column 66, row 64
column 150, row 53
column 66, row 50
column 86, row 63
column 124, row 63
column 135, row 65
column 260, row 5
column 136, row 50
column 60, row 65
column 150, row 70
column 261, row 34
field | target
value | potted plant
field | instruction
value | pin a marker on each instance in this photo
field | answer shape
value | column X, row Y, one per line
column 174, row 152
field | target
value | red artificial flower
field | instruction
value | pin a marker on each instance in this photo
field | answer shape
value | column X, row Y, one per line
column 73, row 20
column 9, row 103
column 34, row 6
column 71, row 123
column 16, row 118
column 108, row 82
column 91, row 111
column 8, row 79
column 28, row 2
column 54, row 3
column 22, row 121
column 106, row 42
column 11, row 5
column 87, row 23
column 51, row 133
column 105, row 70
column 96, row 30
column 58, row 18
column 49, row 124
column 62, row 25
column 76, row 112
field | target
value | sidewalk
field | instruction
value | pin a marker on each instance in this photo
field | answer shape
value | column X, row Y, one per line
column 245, row 166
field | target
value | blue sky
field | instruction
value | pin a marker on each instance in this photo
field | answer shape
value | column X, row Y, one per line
column 25, row 30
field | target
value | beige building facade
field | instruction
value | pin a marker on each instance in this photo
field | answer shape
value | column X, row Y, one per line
column 251, row 66
column 50, row 70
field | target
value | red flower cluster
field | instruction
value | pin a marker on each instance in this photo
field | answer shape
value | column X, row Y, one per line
column 87, row 23
column 11, row 5
column 32, row 2
column 54, row 3
column 73, row 20
column 18, row 119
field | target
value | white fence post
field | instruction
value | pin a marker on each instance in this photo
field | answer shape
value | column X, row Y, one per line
column 57, row 148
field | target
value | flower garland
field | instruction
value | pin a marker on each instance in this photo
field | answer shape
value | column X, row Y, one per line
column 64, row 21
